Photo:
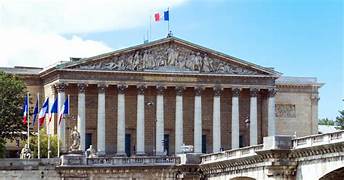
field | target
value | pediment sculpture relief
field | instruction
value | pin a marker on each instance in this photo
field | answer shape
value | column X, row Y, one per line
column 167, row 58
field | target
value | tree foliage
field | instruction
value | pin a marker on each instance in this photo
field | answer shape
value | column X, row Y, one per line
column 12, row 91
column 326, row 121
column 340, row 120
column 43, row 144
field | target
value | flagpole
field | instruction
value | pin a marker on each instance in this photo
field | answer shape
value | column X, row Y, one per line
column 168, row 22
column 39, row 138
column 28, row 120
column 48, row 130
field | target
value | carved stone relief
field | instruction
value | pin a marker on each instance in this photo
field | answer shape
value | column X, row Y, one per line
column 285, row 110
column 168, row 58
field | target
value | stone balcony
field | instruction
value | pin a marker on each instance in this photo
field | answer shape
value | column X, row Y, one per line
column 317, row 140
column 81, row 160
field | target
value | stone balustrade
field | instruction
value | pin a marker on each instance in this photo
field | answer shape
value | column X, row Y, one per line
column 319, row 139
column 231, row 154
column 133, row 161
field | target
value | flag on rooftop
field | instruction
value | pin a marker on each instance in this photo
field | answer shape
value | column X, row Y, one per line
column 162, row 16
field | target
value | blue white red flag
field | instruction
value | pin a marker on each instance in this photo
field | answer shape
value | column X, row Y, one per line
column 25, row 110
column 43, row 112
column 53, row 109
column 64, row 110
column 35, row 112
column 162, row 16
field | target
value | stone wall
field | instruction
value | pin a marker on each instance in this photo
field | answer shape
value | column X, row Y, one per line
column 296, row 111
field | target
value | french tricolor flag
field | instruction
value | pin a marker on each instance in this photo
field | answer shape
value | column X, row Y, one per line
column 43, row 112
column 25, row 110
column 64, row 110
column 162, row 16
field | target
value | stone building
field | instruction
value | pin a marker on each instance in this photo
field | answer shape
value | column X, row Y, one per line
column 152, row 98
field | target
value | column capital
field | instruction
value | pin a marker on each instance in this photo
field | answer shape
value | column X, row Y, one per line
column 254, row 92
column 235, row 92
column 217, row 91
column 272, row 92
column 180, row 90
column 198, row 90
column 60, row 87
column 160, row 89
column 121, row 88
column 141, row 89
column 315, row 98
column 101, row 88
column 82, row 87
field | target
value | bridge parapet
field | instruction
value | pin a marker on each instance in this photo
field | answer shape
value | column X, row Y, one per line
column 317, row 140
column 231, row 154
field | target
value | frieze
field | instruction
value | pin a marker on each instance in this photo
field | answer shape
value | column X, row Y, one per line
column 168, row 58
column 285, row 110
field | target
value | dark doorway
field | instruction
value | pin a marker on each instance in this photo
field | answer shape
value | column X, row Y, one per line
column 128, row 144
column 88, row 140
column 204, row 143
column 167, row 143
column 241, row 141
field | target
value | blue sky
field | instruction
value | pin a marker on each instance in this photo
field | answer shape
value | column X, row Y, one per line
column 296, row 37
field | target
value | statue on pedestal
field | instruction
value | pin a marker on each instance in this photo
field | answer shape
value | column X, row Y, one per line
column 75, row 136
column 25, row 153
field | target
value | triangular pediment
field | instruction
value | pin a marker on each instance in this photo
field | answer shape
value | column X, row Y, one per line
column 170, row 55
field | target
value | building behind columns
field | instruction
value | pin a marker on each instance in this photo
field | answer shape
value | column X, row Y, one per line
column 152, row 98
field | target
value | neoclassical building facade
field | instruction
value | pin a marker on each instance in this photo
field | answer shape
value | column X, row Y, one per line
column 153, row 98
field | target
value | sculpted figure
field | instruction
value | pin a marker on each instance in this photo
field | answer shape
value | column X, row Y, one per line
column 25, row 153
column 172, row 56
column 90, row 152
column 75, row 135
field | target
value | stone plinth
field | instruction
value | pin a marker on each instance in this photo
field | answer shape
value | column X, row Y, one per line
column 73, row 159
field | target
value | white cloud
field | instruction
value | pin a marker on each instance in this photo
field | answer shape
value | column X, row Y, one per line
column 31, row 32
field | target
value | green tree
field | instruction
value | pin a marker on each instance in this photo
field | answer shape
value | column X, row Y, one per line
column 43, row 144
column 12, row 91
column 326, row 121
column 340, row 120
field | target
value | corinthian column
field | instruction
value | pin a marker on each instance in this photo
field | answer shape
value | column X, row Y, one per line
column 140, row 123
column 271, row 113
column 253, row 117
column 159, row 145
column 61, row 126
column 198, row 121
column 235, row 118
column 217, row 120
column 81, row 116
column 179, row 120
column 101, row 120
column 121, row 120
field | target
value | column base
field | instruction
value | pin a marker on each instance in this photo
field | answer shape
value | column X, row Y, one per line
column 101, row 153
column 140, row 154
column 121, row 154
column 160, row 154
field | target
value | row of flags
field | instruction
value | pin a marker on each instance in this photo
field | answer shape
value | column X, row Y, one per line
column 44, row 111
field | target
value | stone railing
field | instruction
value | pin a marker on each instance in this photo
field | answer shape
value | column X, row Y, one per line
column 319, row 139
column 133, row 161
column 231, row 154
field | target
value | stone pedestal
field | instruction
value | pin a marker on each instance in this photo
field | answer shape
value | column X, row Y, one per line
column 77, row 158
